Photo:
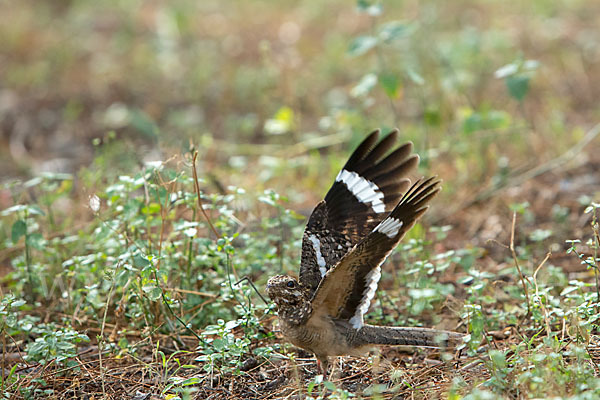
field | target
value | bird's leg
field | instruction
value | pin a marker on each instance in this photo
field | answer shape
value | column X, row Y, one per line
column 336, row 369
column 322, row 365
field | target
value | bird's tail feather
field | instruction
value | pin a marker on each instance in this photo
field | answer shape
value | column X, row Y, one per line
column 422, row 337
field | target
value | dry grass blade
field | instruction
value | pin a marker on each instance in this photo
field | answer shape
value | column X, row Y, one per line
column 516, row 260
column 538, row 297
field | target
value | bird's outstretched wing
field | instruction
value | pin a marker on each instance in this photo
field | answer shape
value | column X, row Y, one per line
column 347, row 289
column 364, row 191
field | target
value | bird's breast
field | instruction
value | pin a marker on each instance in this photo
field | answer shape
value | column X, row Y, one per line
column 319, row 335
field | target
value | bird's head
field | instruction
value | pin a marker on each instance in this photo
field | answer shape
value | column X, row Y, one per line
column 285, row 291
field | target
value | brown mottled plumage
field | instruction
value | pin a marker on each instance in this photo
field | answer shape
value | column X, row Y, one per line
column 348, row 236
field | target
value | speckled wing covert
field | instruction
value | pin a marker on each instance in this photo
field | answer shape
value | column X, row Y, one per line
column 346, row 290
column 364, row 192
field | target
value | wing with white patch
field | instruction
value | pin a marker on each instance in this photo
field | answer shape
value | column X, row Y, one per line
column 369, row 186
column 347, row 289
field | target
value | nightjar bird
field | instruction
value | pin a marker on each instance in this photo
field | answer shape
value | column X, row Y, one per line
column 365, row 214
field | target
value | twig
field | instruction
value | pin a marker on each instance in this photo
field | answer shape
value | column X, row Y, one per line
column 101, row 338
column 197, row 189
column 163, row 217
column 228, row 271
column 514, row 254
column 186, row 291
column 162, row 291
column 595, row 229
column 527, row 175
column 228, row 266
column 537, row 294
column 541, row 169
column 247, row 279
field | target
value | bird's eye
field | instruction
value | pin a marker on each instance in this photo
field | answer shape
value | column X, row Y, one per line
column 291, row 284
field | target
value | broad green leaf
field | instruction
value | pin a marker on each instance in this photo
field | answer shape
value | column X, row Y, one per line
column 33, row 182
column 540, row 234
column 14, row 209
column 415, row 76
column 19, row 229
column 421, row 293
column 152, row 291
column 518, row 86
column 18, row 303
column 497, row 119
column 143, row 123
column 152, row 208
column 36, row 240
column 394, row 30
column 140, row 261
column 432, row 117
column 473, row 123
column 370, row 8
column 361, row 45
column 35, row 210
column 507, row 70
column 390, row 84
column 365, row 85
column 498, row 358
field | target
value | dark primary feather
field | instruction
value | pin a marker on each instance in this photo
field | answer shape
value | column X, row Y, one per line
column 341, row 220
column 343, row 289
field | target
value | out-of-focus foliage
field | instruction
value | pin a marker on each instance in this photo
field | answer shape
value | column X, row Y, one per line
column 103, row 103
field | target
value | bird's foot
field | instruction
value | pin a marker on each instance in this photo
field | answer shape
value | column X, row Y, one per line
column 322, row 365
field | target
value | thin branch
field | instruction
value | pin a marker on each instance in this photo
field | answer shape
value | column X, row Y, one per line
column 516, row 180
column 163, row 212
column 543, row 168
column 514, row 254
column 537, row 294
column 596, row 247
column 101, row 338
column 197, row 188
column 247, row 279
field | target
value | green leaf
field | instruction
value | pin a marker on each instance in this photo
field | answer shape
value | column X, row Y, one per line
column 472, row 123
column 14, row 209
column 518, row 86
column 365, row 85
column 140, row 261
column 390, row 84
column 497, row 119
column 507, row 70
column 11, row 320
column 218, row 344
column 361, row 45
column 152, row 208
column 18, row 303
column 37, row 241
column 540, row 234
column 498, row 359
column 152, row 291
column 415, row 76
column 432, row 117
column 35, row 210
column 394, row 30
column 144, row 124
column 369, row 8
column 19, row 229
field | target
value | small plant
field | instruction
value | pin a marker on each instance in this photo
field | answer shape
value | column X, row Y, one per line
column 54, row 343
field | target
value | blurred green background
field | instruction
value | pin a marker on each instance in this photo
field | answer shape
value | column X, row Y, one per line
column 102, row 104
column 263, row 89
